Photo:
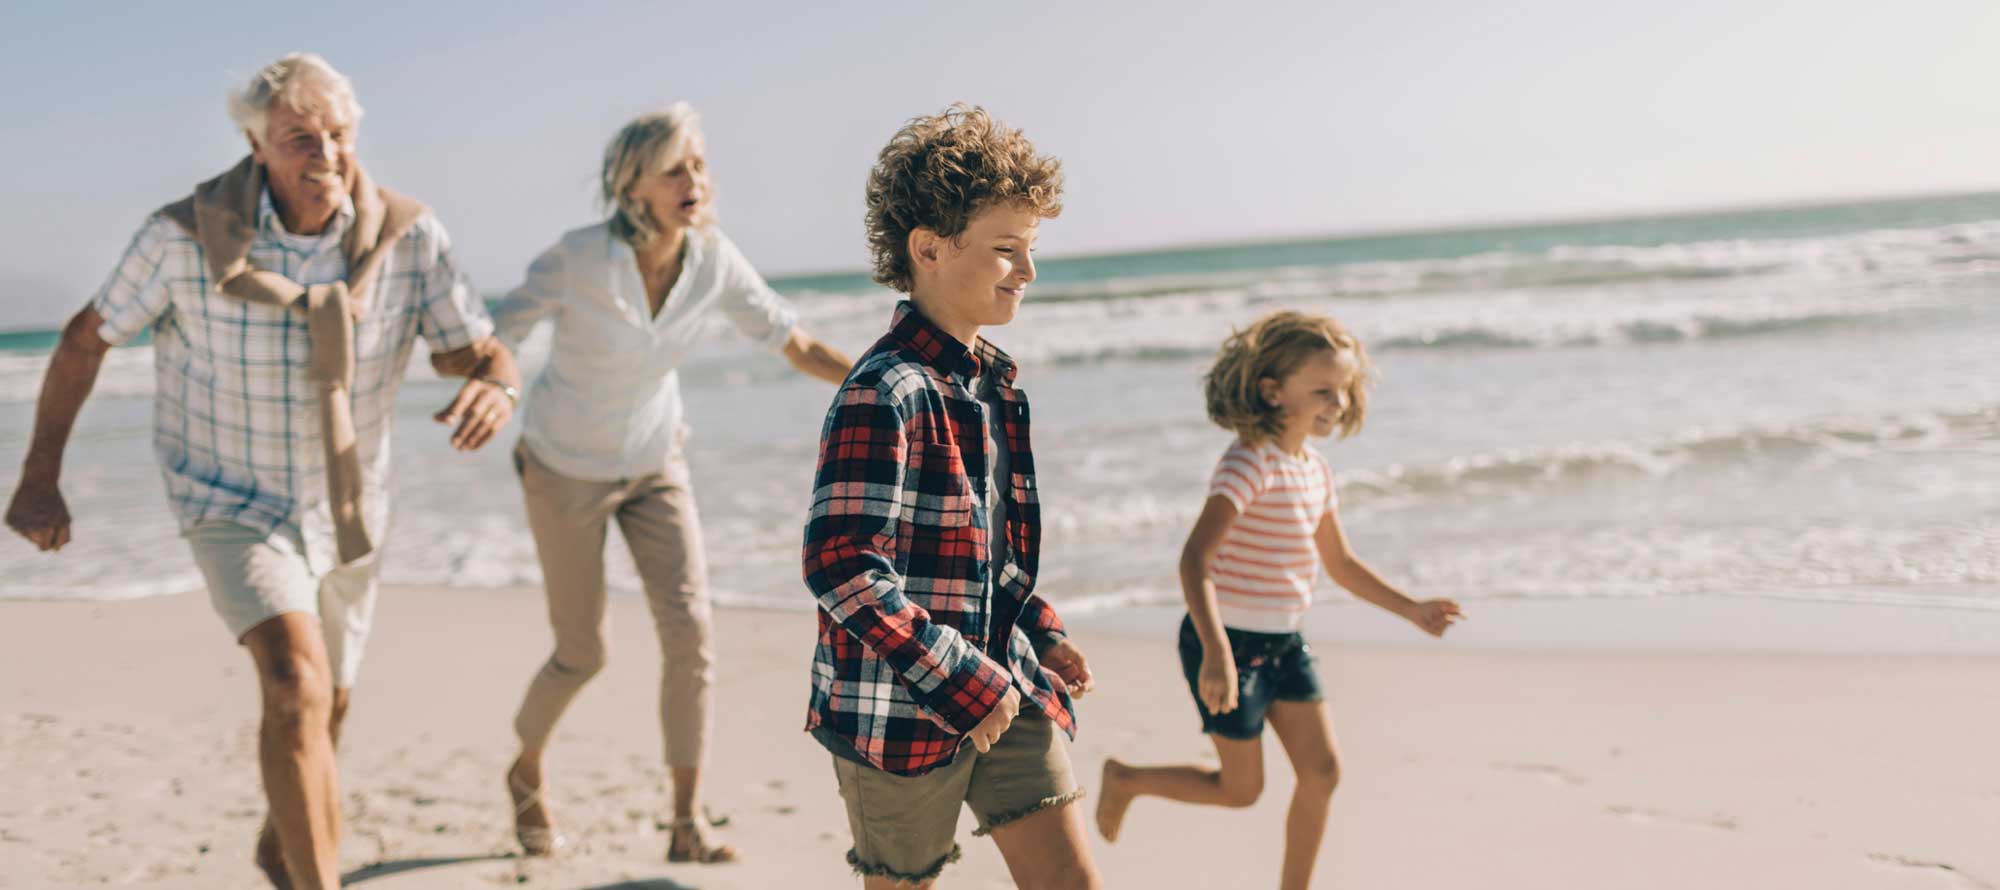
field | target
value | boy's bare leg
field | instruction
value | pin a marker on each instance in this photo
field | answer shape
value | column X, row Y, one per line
column 1048, row 851
column 270, row 857
column 296, row 746
column 1306, row 731
column 1235, row 783
column 873, row 882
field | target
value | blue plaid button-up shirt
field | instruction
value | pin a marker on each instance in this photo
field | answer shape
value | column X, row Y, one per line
column 235, row 421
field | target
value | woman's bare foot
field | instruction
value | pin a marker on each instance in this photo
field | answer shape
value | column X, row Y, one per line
column 1112, row 799
column 270, row 857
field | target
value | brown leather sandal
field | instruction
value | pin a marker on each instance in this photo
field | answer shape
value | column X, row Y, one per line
column 536, row 840
column 687, row 841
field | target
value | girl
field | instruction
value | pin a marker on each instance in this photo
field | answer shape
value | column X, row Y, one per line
column 1248, row 571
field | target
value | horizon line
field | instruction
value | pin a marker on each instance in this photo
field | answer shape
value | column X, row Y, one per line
column 1478, row 224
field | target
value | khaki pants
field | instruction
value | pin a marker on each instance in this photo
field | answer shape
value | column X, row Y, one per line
column 657, row 515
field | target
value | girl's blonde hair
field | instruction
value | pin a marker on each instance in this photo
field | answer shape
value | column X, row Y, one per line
column 1275, row 347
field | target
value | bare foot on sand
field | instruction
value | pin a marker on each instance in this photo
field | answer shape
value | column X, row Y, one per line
column 271, row 858
column 1112, row 799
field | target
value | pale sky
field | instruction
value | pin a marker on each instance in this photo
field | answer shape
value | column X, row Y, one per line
column 1177, row 121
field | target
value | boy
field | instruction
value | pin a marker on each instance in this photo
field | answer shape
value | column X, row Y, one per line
column 939, row 678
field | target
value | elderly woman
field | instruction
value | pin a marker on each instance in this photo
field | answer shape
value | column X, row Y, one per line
column 631, row 297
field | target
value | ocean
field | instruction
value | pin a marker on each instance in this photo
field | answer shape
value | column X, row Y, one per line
column 1793, row 403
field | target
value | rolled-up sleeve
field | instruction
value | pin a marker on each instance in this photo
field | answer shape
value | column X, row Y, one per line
column 136, row 296
column 452, row 317
column 1039, row 621
column 752, row 306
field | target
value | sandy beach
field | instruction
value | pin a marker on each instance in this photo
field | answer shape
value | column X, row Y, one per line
column 127, row 748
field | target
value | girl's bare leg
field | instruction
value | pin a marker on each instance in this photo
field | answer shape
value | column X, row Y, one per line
column 1236, row 782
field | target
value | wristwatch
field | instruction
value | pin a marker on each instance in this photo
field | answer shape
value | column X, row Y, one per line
column 513, row 395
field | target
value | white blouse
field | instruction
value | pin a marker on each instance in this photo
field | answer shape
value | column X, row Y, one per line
column 608, row 405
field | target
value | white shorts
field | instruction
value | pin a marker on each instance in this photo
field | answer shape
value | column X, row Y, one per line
column 254, row 577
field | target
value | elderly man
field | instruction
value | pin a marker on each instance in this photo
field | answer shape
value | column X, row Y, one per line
column 284, row 297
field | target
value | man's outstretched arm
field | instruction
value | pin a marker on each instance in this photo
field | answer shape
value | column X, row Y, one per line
column 37, row 510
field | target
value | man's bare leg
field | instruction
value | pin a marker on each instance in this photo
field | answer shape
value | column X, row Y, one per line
column 270, row 858
column 296, row 747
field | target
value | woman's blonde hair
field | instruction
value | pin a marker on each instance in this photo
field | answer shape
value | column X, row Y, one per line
column 1275, row 347
column 640, row 148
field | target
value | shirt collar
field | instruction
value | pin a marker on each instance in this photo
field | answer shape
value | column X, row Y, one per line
column 693, row 250
column 943, row 352
column 268, row 221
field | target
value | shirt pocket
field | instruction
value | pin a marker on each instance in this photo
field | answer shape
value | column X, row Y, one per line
column 941, row 494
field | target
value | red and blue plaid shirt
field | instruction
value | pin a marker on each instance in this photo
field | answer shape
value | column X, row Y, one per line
column 919, row 634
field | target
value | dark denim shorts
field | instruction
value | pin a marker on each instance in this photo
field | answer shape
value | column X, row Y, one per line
column 1269, row 667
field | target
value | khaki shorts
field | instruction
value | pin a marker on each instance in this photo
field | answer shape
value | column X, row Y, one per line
column 905, row 827
column 254, row 577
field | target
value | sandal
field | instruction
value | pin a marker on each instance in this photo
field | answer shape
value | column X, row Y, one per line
column 697, row 848
column 536, row 840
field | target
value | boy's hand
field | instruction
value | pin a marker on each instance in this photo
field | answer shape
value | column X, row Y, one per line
column 1434, row 616
column 1067, row 661
column 1218, row 684
column 997, row 720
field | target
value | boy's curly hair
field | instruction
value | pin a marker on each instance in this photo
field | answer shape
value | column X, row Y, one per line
column 939, row 171
column 1275, row 346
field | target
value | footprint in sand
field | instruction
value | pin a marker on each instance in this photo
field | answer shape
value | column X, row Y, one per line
column 1942, row 869
column 1649, row 816
column 1546, row 771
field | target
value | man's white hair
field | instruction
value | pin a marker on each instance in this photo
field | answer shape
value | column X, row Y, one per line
column 300, row 80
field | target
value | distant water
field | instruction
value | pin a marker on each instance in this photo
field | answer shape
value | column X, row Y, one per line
column 1791, row 402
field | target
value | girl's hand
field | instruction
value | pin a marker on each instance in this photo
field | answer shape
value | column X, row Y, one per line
column 1218, row 684
column 1434, row 617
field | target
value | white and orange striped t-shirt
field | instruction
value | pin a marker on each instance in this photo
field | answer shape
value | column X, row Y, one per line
column 1265, row 569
